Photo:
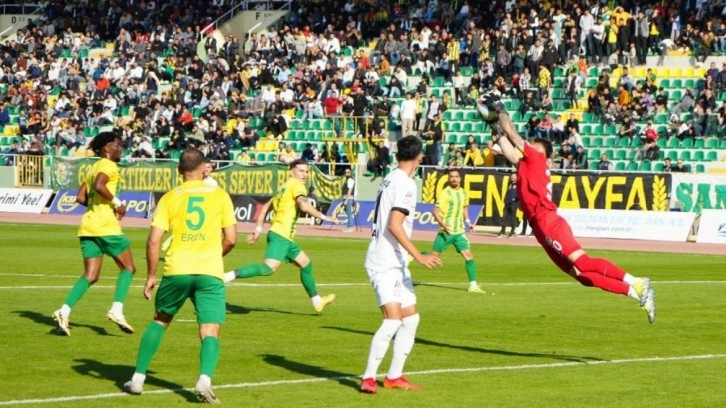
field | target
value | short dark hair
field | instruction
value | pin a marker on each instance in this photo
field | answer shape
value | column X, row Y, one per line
column 547, row 145
column 409, row 148
column 101, row 140
column 190, row 160
column 454, row 170
column 298, row 162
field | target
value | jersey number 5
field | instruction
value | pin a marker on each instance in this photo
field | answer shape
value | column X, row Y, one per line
column 195, row 210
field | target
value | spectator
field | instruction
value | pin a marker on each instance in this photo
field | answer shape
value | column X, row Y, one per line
column 667, row 165
column 287, row 155
column 680, row 167
column 473, row 156
column 604, row 164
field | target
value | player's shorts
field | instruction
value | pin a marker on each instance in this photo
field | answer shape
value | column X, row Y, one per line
column 96, row 247
column 443, row 240
column 206, row 292
column 280, row 248
column 554, row 234
column 393, row 286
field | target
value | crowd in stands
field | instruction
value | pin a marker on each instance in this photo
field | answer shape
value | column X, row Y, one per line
column 156, row 86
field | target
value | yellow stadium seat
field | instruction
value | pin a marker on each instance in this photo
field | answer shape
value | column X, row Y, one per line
column 688, row 72
column 640, row 72
column 663, row 72
column 676, row 72
column 699, row 72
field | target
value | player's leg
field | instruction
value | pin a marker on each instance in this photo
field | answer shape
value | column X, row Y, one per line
column 209, row 302
column 92, row 262
column 277, row 248
column 119, row 248
column 301, row 259
column 405, row 338
column 387, row 287
column 170, row 297
column 461, row 243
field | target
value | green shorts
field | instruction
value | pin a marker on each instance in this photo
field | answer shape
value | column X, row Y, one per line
column 207, row 294
column 280, row 248
column 443, row 240
column 96, row 247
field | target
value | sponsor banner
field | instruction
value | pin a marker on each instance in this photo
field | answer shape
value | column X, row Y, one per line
column 712, row 227
column 608, row 191
column 138, row 204
column 237, row 179
column 696, row 192
column 363, row 211
column 646, row 225
column 24, row 200
column 247, row 208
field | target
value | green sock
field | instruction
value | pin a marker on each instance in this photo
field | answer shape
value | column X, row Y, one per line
column 307, row 279
column 471, row 269
column 209, row 356
column 123, row 284
column 150, row 342
column 250, row 271
column 79, row 289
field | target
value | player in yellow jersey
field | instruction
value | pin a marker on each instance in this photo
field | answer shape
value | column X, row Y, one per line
column 450, row 212
column 100, row 232
column 280, row 245
column 200, row 218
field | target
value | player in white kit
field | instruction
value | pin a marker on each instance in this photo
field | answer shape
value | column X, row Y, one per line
column 387, row 267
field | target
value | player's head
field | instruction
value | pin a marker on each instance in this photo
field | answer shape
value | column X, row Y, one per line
column 454, row 178
column 191, row 164
column 543, row 146
column 410, row 149
column 300, row 170
column 208, row 167
column 108, row 145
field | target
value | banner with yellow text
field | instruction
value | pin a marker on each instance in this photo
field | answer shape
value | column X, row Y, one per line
column 617, row 191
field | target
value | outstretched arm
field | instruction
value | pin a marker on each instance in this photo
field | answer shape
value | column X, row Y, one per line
column 509, row 151
column 508, row 127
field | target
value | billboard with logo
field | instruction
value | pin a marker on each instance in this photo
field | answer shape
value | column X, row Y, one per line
column 696, row 192
column 712, row 227
column 138, row 204
column 363, row 213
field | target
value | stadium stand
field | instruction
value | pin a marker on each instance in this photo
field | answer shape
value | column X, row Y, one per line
column 324, row 75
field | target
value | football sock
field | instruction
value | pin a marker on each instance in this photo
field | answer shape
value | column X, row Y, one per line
column 79, row 289
column 600, row 266
column 150, row 342
column 603, row 282
column 473, row 283
column 308, row 280
column 471, row 270
column 403, row 344
column 630, row 279
column 117, row 307
column 250, row 271
column 138, row 378
column 122, row 286
column 379, row 345
column 316, row 300
column 209, row 356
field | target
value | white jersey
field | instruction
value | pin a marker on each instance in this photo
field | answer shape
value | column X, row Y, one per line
column 396, row 193
column 211, row 181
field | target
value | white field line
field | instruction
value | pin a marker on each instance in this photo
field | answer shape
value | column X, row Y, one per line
column 344, row 284
column 424, row 372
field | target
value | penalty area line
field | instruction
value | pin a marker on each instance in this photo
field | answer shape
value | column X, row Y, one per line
column 353, row 377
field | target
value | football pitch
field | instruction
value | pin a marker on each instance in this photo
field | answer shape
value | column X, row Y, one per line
column 536, row 339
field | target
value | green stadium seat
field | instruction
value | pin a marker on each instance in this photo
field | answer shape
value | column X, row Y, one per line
column 673, row 155
column 699, row 143
column 610, row 154
column 711, row 143
column 447, row 115
column 592, row 165
column 624, row 142
column 597, row 142
column 664, row 83
column 593, row 154
column 588, row 117
column 611, row 141
column 467, row 127
column 659, row 167
column 674, row 143
column 453, row 126
column 661, row 142
column 712, row 155
column 723, row 142
column 585, row 130
column 621, row 154
column 699, row 155
column 686, row 143
column 675, row 95
column 587, row 141
column 620, row 166
column 677, row 83
column 451, row 138
column 632, row 166
column 700, row 168
column 689, row 83
column 479, row 127
column 645, row 166
column 685, row 155
column 471, row 116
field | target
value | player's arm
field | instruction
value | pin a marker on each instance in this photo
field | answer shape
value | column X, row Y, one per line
column 82, row 195
column 229, row 238
column 465, row 211
column 99, row 185
column 153, row 250
column 508, row 127
column 252, row 238
column 395, row 226
column 440, row 219
column 509, row 151
column 303, row 203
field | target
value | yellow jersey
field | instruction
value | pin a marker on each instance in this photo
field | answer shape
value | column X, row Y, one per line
column 99, row 220
column 284, row 205
column 195, row 214
column 451, row 202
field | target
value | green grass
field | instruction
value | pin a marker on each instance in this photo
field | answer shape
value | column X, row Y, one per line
column 528, row 344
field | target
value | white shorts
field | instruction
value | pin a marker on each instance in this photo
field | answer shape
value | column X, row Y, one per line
column 393, row 286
